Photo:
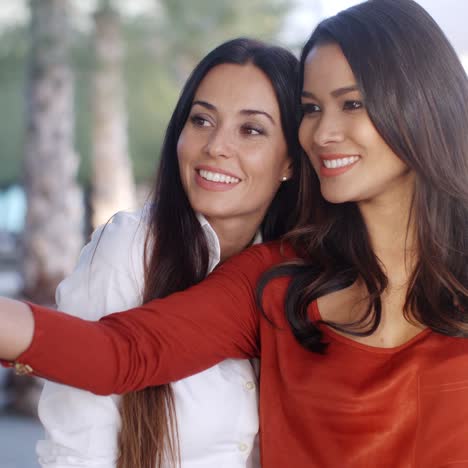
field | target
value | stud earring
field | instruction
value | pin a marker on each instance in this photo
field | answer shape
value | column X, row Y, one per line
column 284, row 179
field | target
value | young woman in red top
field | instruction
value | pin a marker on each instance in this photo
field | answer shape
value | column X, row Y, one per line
column 363, row 360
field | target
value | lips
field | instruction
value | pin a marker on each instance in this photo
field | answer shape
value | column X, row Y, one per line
column 215, row 179
column 216, row 170
column 218, row 177
column 335, row 164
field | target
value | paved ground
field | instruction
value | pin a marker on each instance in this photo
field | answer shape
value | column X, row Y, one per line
column 18, row 438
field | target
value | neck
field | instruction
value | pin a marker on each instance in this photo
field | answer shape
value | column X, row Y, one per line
column 234, row 234
column 390, row 224
column 392, row 232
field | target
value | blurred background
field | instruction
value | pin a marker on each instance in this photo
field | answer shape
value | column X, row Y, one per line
column 86, row 90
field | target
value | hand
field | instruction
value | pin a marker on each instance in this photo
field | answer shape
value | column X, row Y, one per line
column 16, row 328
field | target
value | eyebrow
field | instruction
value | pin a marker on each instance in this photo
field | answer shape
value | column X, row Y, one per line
column 335, row 93
column 209, row 106
column 257, row 112
column 204, row 104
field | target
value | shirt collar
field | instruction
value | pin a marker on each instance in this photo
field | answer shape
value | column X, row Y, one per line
column 258, row 239
column 213, row 241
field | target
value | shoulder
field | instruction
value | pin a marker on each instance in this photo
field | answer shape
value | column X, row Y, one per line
column 109, row 275
column 124, row 231
column 272, row 284
column 268, row 254
column 119, row 243
column 254, row 261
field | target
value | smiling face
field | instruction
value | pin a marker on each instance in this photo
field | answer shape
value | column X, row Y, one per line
column 232, row 152
column 351, row 159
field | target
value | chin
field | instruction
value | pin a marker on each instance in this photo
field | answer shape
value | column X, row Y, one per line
column 216, row 212
column 335, row 198
column 341, row 193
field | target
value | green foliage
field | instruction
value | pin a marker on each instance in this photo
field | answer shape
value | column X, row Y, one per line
column 13, row 51
column 195, row 27
column 151, row 96
column 161, row 51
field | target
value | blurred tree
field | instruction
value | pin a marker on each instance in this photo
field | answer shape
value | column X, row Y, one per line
column 162, row 46
column 53, row 233
column 113, row 187
column 14, row 45
column 193, row 28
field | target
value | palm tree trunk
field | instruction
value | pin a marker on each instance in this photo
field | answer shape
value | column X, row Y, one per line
column 113, row 185
column 53, row 232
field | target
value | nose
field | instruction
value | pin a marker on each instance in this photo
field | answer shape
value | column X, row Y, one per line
column 220, row 143
column 326, row 130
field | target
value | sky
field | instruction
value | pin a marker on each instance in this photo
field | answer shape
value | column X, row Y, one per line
column 450, row 14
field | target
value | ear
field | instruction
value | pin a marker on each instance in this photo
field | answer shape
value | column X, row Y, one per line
column 287, row 170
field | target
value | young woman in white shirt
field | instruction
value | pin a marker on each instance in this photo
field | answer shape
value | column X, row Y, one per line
column 229, row 174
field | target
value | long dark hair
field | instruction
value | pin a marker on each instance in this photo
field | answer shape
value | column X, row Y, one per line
column 416, row 95
column 176, row 248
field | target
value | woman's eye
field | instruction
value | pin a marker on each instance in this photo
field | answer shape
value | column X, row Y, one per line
column 199, row 121
column 309, row 108
column 352, row 105
column 251, row 130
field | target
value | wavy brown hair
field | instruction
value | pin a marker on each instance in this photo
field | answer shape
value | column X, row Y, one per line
column 416, row 94
column 176, row 248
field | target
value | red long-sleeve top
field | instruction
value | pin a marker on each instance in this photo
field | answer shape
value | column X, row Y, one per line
column 356, row 406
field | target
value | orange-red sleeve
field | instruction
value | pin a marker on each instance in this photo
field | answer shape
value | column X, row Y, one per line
column 162, row 341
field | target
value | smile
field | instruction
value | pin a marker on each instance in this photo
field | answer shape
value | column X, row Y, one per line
column 341, row 162
column 218, row 177
column 334, row 165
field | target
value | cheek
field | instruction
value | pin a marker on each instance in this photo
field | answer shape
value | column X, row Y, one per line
column 269, row 171
column 363, row 133
column 368, row 136
column 302, row 134
column 306, row 137
column 382, row 154
column 394, row 164
column 382, row 163
column 279, row 161
column 181, row 147
column 186, row 153
column 183, row 159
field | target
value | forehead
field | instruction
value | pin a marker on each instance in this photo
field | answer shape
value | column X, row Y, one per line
column 238, row 87
column 326, row 67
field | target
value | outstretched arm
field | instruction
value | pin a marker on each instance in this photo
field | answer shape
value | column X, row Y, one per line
column 162, row 341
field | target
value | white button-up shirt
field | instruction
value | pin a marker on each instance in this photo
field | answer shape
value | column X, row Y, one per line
column 217, row 410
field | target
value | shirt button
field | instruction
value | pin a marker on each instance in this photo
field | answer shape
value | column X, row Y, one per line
column 242, row 447
column 249, row 385
column 22, row 369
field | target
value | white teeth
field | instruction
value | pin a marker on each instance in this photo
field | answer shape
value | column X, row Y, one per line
column 217, row 177
column 342, row 162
